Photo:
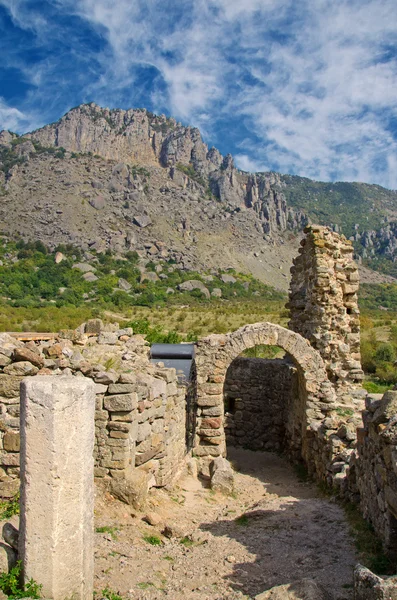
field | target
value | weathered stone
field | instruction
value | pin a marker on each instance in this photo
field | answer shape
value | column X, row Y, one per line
column 152, row 519
column 174, row 530
column 8, row 558
column 132, row 491
column 20, row 369
column 108, row 337
column 222, row 476
column 368, row 586
column 121, row 388
column 106, row 377
column 144, row 457
column 387, row 408
column 10, row 535
column 94, row 326
column 142, row 220
column 11, row 441
column 9, row 385
column 4, row 360
column 9, row 488
column 24, row 354
column 121, row 402
column 56, row 542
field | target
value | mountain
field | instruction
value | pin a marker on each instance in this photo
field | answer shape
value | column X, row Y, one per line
column 130, row 180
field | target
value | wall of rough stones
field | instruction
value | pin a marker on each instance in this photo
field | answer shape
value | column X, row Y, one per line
column 324, row 306
column 374, row 472
column 140, row 407
column 313, row 410
column 258, row 396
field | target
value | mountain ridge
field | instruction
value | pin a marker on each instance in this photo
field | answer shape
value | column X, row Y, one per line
column 102, row 171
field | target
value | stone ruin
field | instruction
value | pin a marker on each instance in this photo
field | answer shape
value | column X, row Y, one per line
column 309, row 405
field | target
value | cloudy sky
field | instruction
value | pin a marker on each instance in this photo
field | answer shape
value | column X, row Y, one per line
column 299, row 86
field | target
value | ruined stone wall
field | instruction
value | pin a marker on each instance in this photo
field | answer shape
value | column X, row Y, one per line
column 375, row 467
column 258, row 396
column 140, row 407
column 312, row 416
column 324, row 307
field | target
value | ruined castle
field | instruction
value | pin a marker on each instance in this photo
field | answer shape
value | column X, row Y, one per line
column 310, row 404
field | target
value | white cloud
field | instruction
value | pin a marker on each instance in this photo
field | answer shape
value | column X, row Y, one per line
column 11, row 118
column 246, row 163
column 313, row 83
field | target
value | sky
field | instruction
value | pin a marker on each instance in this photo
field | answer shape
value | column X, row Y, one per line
column 306, row 87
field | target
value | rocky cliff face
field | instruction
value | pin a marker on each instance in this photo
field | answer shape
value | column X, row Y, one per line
column 139, row 137
column 127, row 180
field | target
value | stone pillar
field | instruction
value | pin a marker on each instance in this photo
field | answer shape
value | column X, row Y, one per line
column 324, row 306
column 56, row 542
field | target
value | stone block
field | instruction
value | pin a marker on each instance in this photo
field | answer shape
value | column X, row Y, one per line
column 206, row 401
column 108, row 338
column 368, row 586
column 387, row 408
column 9, row 488
column 56, row 542
column 126, row 417
column 133, row 491
column 222, row 476
column 121, row 388
column 9, row 386
column 11, row 441
column 159, row 387
column 121, row 402
column 144, row 457
column 144, row 431
column 93, row 326
column 9, row 459
column 24, row 354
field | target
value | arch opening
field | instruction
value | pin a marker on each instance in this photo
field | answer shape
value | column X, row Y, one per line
column 310, row 397
column 260, row 395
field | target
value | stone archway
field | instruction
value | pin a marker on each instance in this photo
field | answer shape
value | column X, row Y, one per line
column 316, row 399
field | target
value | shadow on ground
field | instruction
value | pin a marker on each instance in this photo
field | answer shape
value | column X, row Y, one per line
column 292, row 533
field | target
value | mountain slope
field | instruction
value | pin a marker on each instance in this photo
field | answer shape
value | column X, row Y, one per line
column 131, row 180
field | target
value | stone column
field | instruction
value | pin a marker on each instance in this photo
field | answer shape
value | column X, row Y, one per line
column 56, row 542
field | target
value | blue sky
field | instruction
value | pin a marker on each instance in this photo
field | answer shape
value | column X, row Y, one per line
column 307, row 87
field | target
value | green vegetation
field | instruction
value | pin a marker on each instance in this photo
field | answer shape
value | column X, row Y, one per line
column 187, row 542
column 378, row 336
column 110, row 595
column 377, row 297
column 153, row 540
column 112, row 530
column 191, row 172
column 33, row 289
column 344, row 412
column 145, row 585
column 10, row 584
column 368, row 545
column 136, row 170
column 155, row 334
column 9, row 508
column 9, row 158
column 242, row 520
column 341, row 203
column 262, row 351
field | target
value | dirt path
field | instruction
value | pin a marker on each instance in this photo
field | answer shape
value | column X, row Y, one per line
column 275, row 530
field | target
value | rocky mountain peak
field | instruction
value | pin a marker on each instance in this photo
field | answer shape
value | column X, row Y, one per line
column 132, row 180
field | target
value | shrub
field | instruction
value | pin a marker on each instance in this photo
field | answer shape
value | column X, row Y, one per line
column 10, row 584
column 385, row 352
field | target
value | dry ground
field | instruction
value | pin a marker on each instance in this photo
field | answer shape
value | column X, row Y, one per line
column 276, row 529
